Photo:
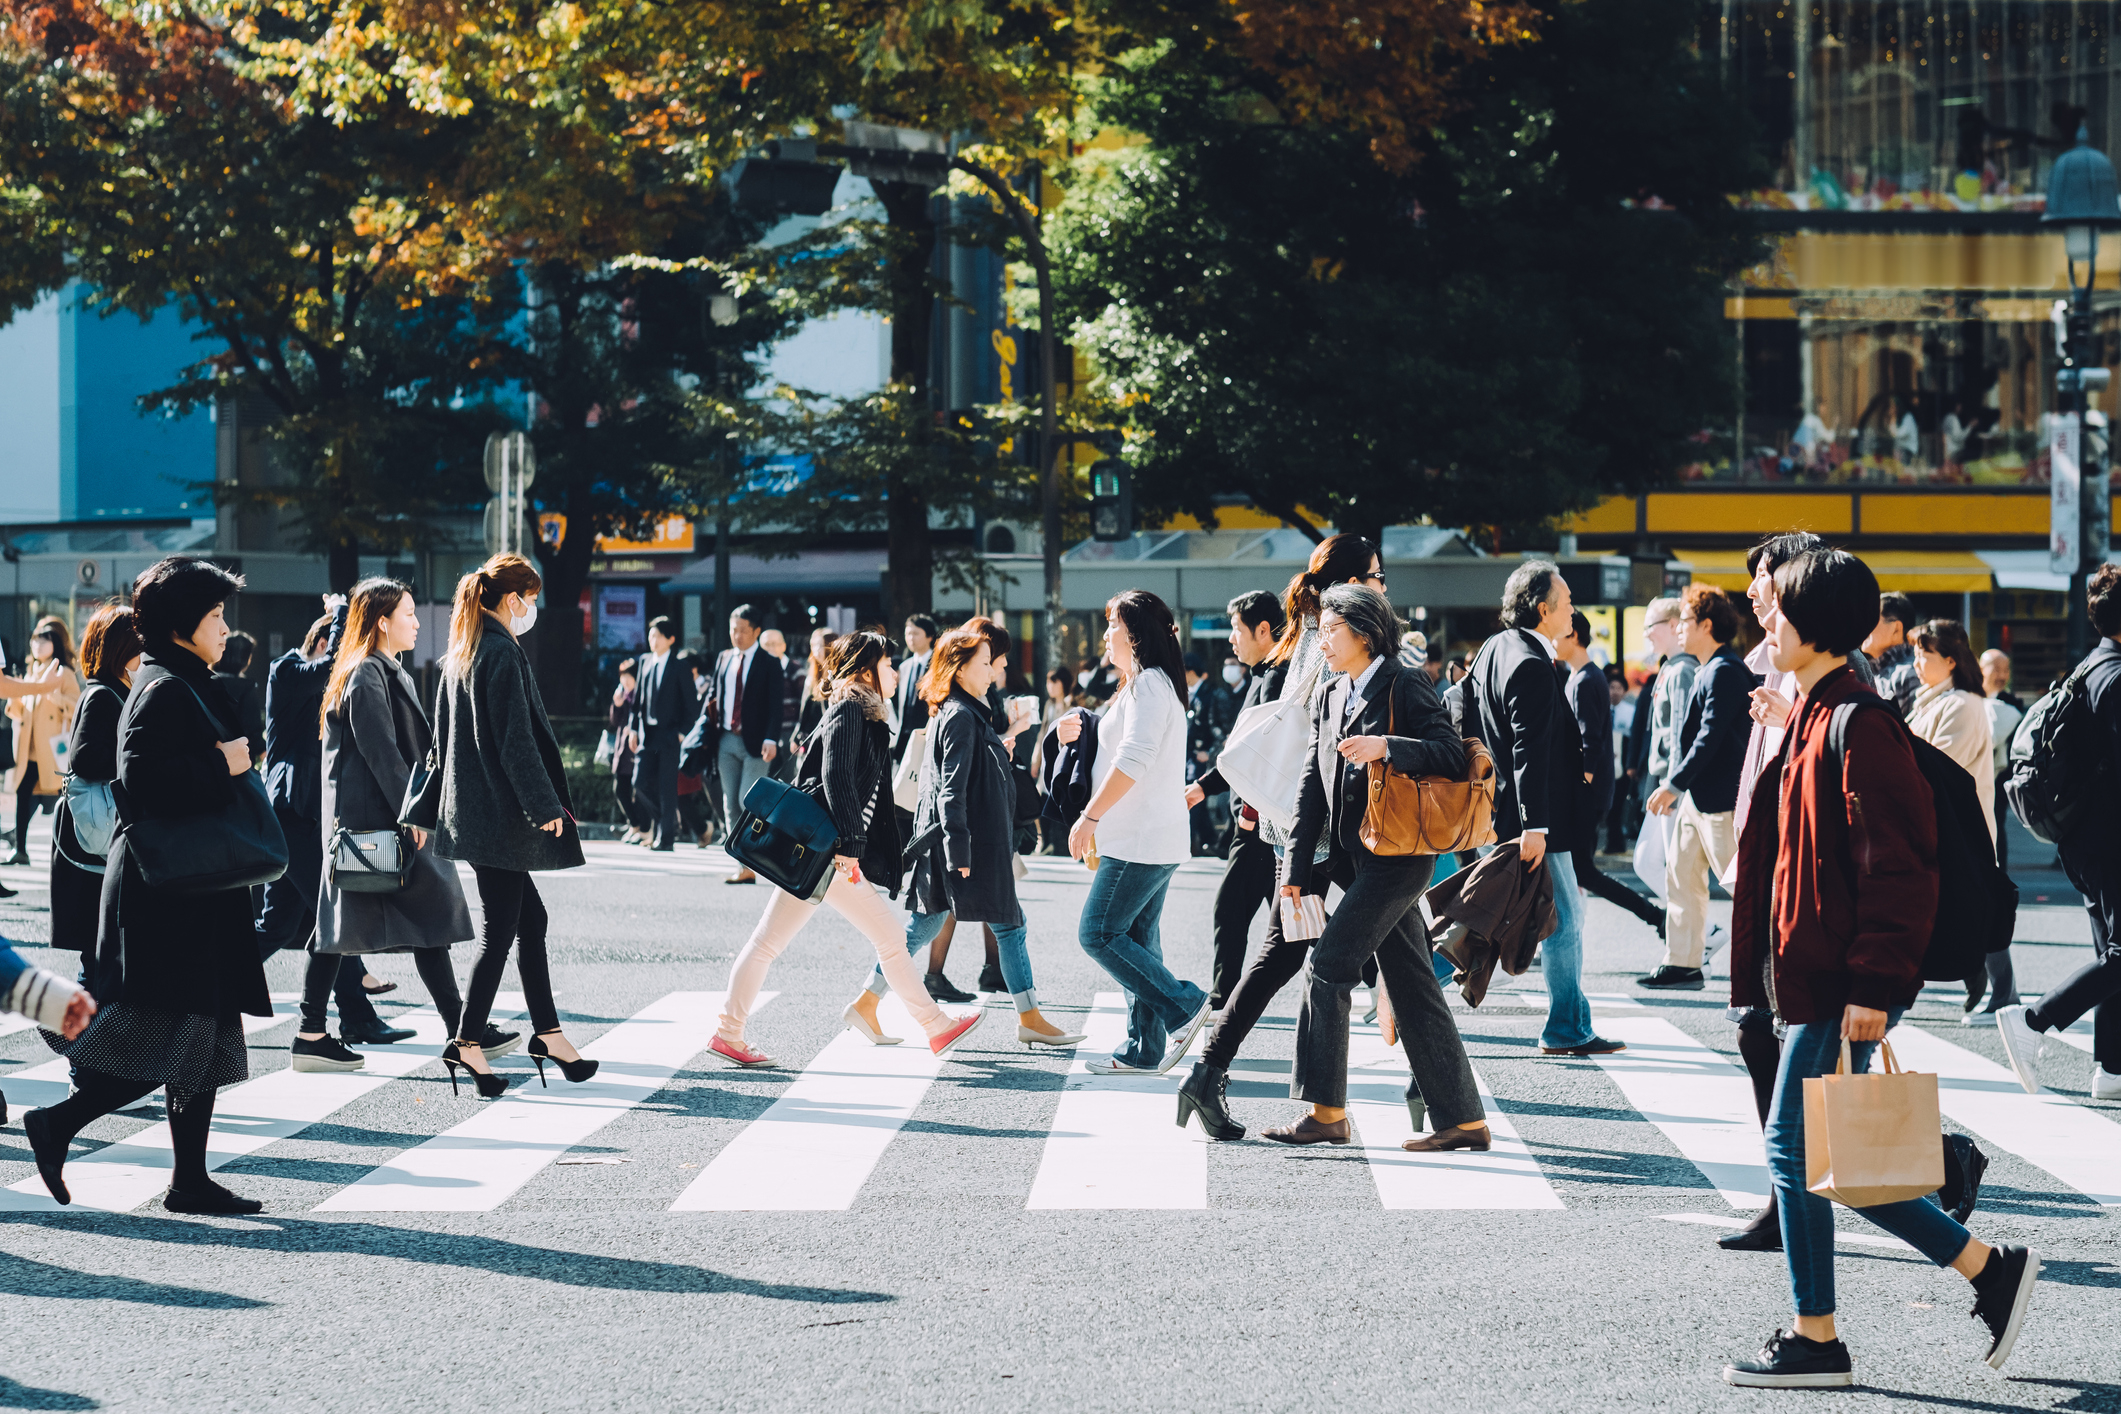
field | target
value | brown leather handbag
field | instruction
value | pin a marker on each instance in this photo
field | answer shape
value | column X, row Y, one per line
column 1429, row 814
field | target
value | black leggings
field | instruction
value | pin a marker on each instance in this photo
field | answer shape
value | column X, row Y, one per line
column 28, row 803
column 327, row 970
column 514, row 914
column 191, row 1119
column 1610, row 889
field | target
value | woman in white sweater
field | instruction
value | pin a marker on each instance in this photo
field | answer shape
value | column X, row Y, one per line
column 1135, row 828
column 1951, row 713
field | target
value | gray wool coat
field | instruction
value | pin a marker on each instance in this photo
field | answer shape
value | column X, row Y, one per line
column 371, row 740
column 500, row 765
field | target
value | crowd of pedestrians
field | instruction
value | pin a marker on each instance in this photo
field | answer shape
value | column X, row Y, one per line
column 1754, row 771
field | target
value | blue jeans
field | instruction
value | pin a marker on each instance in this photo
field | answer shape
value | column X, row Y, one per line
column 1812, row 1049
column 1561, row 961
column 1008, row 942
column 1121, row 930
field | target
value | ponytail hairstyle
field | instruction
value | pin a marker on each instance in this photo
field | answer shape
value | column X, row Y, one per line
column 478, row 594
column 1337, row 560
column 1147, row 620
column 367, row 605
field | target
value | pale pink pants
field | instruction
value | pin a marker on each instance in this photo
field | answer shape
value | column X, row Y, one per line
column 785, row 915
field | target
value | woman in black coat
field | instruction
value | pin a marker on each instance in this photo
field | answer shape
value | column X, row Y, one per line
column 374, row 734
column 110, row 655
column 175, row 972
column 1376, row 710
column 848, row 764
column 964, row 828
column 500, row 805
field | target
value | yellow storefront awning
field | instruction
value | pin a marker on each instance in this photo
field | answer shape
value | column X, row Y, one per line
column 1908, row 571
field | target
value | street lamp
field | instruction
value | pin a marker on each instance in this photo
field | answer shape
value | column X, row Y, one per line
column 2081, row 200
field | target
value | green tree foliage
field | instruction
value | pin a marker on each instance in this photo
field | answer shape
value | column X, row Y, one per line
column 1528, row 320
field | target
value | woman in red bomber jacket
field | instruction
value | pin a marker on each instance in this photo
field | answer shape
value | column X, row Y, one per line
column 1837, row 893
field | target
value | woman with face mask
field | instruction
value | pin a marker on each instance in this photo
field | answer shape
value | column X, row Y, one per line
column 42, row 703
column 504, row 808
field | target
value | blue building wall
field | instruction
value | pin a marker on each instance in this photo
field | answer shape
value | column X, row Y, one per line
column 115, row 463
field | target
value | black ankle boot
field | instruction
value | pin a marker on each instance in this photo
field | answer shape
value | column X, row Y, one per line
column 1203, row 1095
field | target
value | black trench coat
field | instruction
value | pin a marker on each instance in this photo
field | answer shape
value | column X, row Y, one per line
column 501, row 770
column 966, row 819
column 157, row 950
column 371, row 741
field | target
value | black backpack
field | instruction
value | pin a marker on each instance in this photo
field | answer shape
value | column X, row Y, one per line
column 2057, row 762
column 1977, row 903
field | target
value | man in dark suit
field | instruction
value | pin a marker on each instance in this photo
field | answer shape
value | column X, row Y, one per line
column 294, row 764
column 1701, row 793
column 1207, row 723
column 1590, row 699
column 664, row 712
column 740, row 721
column 1513, row 705
column 1256, row 620
column 921, row 633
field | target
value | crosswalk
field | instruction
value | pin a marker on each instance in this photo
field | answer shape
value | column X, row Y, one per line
column 1109, row 1143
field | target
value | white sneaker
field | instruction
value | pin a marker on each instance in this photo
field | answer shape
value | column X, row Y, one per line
column 2021, row 1046
column 1108, row 1066
column 2105, row 1084
column 1978, row 1018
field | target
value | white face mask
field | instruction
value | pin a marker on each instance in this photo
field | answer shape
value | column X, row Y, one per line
column 519, row 624
column 1232, row 674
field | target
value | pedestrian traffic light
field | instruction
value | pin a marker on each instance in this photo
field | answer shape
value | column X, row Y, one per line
column 1111, row 500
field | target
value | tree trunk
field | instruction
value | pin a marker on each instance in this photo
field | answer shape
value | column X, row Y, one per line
column 911, row 549
column 562, row 635
column 343, row 565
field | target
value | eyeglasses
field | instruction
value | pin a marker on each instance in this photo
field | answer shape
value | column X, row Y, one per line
column 1377, row 575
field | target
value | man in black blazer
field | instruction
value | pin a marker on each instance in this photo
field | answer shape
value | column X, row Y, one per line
column 740, row 721
column 1512, row 704
column 1701, row 793
column 912, row 708
column 1590, row 701
column 664, row 711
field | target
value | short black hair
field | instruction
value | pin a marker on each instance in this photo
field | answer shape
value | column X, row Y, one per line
column 1368, row 613
column 1194, row 663
column 662, row 624
column 1711, row 606
column 1529, row 587
column 1899, row 608
column 172, row 596
column 2104, row 597
column 1830, row 597
column 1255, row 607
column 236, row 654
column 748, row 614
column 1778, row 550
column 926, row 624
column 1581, row 627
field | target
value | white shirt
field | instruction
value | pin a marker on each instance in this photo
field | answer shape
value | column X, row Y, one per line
column 737, row 668
column 1142, row 731
column 1361, row 683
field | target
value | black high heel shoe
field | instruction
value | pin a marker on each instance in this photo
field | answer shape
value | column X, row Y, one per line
column 488, row 1083
column 1203, row 1094
column 575, row 1070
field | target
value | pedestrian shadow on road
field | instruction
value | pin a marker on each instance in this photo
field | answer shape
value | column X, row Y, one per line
column 2069, row 1273
column 20, row 1276
column 2089, row 1398
column 452, row 1249
column 21, row 1396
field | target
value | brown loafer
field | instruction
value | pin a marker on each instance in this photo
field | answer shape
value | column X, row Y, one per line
column 1309, row 1131
column 1478, row 1140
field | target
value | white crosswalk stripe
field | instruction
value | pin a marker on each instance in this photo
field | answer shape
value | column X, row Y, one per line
column 478, row 1165
column 1699, row 1100
column 1113, row 1143
column 1506, row 1176
column 816, row 1145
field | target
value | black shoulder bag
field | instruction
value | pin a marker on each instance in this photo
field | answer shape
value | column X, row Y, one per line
column 232, row 848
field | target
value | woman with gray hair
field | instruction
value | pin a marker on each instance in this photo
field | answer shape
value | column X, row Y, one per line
column 1377, row 710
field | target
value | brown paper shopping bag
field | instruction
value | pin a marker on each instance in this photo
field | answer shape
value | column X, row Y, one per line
column 1871, row 1139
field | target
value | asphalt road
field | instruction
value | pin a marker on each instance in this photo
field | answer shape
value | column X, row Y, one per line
column 929, row 1280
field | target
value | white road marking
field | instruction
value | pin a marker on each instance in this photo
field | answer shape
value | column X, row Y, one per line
column 1506, row 1176
column 2077, row 1145
column 1112, row 1143
column 1700, row 1101
column 816, row 1145
column 1860, row 1239
column 247, row 1118
column 479, row 1164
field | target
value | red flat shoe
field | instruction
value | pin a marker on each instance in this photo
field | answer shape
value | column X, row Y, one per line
column 944, row 1043
column 741, row 1054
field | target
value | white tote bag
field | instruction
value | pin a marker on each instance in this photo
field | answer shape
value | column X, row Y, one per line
column 1650, row 853
column 906, row 785
column 1263, row 757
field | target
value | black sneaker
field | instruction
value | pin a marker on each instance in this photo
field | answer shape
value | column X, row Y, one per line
column 991, row 979
column 940, row 989
column 2001, row 1294
column 325, row 1054
column 1789, row 1361
column 1596, row 1046
column 495, row 1043
column 1964, row 1163
column 1678, row 979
